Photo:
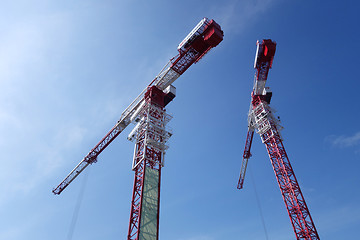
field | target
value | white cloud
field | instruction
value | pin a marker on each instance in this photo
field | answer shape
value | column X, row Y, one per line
column 345, row 141
column 32, row 136
column 42, row 122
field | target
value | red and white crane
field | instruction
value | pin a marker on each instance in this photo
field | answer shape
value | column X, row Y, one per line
column 150, row 133
column 262, row 120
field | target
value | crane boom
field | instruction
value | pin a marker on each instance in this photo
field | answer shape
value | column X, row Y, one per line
column 246, row 156
column 206, row 35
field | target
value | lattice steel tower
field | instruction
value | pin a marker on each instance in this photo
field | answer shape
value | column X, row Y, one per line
column 150, row 146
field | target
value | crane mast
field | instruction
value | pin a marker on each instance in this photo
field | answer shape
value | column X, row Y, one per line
column 150, row 145
column 262, row 120
column 148, row 111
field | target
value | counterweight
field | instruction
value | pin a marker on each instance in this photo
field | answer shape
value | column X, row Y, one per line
column 262, row 120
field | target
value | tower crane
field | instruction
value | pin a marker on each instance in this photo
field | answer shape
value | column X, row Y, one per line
column 262, row 120
column 150, row 133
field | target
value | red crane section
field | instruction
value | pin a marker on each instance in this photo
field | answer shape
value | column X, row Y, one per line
column 210, row 35
column 262, row 120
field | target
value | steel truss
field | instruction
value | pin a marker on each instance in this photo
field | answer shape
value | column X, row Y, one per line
column 269, row 129
column 148, row 160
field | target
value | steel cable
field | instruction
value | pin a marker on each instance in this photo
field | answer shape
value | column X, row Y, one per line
column 77, row 206
column 259, row 205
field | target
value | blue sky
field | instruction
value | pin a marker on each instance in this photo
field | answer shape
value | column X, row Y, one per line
column 68, row 69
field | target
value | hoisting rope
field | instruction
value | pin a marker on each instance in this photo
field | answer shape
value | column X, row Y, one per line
column 77, row 206
column 259, row 205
